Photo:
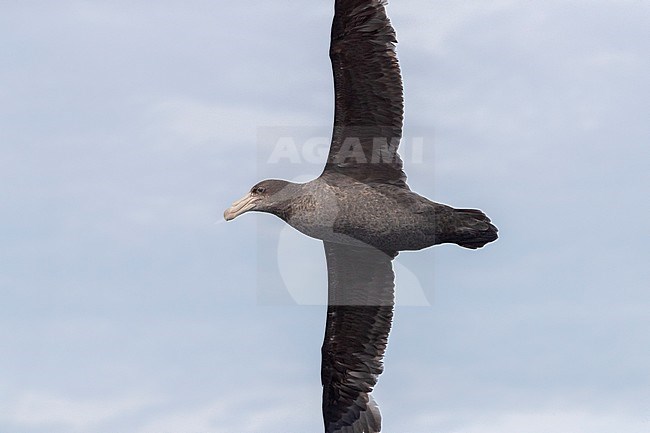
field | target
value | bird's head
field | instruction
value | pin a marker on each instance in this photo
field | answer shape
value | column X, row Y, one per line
column 271, row 195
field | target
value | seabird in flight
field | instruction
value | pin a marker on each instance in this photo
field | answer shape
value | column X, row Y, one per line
column 363, row 211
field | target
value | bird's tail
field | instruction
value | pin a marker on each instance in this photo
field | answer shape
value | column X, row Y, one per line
column 475, row 229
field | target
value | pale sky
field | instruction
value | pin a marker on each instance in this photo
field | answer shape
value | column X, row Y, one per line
column 127, row 304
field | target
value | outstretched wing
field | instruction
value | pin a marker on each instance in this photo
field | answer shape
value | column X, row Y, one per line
column 369, row 104
column 359, row 315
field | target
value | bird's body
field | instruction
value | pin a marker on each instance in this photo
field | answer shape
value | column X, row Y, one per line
column 364, row 212
column 340, row 209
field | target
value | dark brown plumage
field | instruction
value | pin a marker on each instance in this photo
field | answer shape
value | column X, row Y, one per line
column 369, row 104
column 365, row 213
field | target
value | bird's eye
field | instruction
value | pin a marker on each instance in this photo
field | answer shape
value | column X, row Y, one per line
column 259, row 190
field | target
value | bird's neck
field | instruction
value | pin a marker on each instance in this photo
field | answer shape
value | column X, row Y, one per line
column 286, row 201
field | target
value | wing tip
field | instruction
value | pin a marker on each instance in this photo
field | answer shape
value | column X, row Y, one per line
column 368, row 420
column 374, row 415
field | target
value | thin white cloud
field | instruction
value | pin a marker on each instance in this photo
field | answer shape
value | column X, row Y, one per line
column 543, row 421
column 194, row 122
column 243, row 411
column 39, row 409
column 449, row 18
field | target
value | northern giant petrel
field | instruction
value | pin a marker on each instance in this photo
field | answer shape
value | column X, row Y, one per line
column 363, row 211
